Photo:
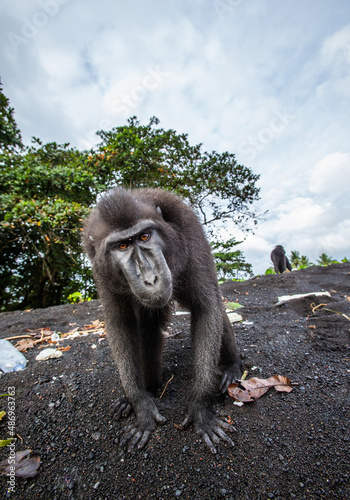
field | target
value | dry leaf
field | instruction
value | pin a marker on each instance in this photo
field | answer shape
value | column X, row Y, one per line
column 239, row 394
column 96, row 323
column 279, row 382
column 24, row 344
column 24, row 467
column 255, row 387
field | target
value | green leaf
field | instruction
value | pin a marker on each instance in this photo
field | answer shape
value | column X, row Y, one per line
column 6, row 442
column 233, row 305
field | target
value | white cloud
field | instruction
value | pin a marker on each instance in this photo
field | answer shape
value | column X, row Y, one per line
column 331, row 175
column 268, row 81
column 336, row 48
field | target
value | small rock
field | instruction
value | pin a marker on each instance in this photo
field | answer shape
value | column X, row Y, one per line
column 70, row 484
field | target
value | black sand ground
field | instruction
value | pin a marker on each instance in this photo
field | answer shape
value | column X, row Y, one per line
column 286, row 445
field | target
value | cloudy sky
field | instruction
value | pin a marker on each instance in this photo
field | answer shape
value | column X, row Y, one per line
column 264, row 79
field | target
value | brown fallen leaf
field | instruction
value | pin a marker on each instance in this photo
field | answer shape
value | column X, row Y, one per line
column 24, row 344
column 24, row 467
column 255, row 387
column 279, row 382
column 97, row 323
column 64, row 348
column 239, row 394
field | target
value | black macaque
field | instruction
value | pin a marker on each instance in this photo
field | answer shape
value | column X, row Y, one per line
column 148, row 248
column 280, row 260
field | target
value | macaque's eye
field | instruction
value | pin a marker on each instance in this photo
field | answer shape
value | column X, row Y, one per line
column 144, row 237
column 123, row 245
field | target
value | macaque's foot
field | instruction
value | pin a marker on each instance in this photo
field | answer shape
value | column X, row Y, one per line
column 209, row 427
column 229, row 375
column 137, row 434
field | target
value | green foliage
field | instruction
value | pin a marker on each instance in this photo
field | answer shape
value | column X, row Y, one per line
column 302, row 262
column 295, row 259
column 270, row 270
column 6, row 442
column 299, row 262
column 233, row 306
column 230, row 264
column 75, row 297
column 45, row 193
column 10, row 137
column 135, row 155
column 48, row 189
column 325, row 260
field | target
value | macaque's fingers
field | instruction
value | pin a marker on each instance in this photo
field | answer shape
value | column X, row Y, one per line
column 229, row 376
column 137, row 435
column 225, row 382
column 159, row 418
column 127, row 411
column 133, row 438
column 128, row 434
column 226, row 426
column 209, row 443
column 210, row 429
column 144, row 439
column 222, row 435
column 121, row 408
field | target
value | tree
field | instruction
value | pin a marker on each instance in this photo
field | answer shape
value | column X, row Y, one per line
column 295, row 259
column 44, row 195
column 299, row 262
column 10, row 137
column 48, row 189
column 325, row 260
column 230, row 264
column 305, row 262
column 215, row 185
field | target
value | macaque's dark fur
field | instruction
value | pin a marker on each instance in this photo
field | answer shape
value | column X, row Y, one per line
column 136, row 293
column 280, row 260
